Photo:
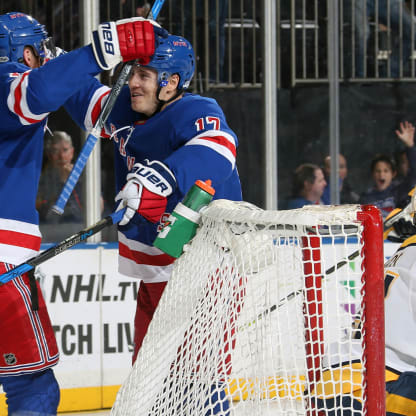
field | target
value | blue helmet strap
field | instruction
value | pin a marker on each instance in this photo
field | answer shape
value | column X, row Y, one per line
column 47, row 50
column 161, row 103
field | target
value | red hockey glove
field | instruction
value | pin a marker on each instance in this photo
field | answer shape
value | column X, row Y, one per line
column 146, row 191
column 125, row 40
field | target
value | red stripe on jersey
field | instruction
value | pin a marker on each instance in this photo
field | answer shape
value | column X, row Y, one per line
column 221, row 140
column 142, row 258
column 97, row 108
column 104, row 134
column 14, row 238
column 18, row 98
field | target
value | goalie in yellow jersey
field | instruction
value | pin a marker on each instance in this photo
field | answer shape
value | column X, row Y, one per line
column 400, row 325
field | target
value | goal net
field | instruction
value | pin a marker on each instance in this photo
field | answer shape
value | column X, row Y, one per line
column 268, row 312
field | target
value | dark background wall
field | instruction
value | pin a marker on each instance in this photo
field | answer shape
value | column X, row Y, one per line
column 370, row 114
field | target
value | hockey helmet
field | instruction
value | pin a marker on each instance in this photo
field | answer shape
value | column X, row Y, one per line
column 18, row 30
column 173, row 55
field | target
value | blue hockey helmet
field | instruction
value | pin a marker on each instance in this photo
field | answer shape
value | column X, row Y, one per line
column 18, row 30
column 173, row 55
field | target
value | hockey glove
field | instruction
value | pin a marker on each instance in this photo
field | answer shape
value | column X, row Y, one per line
column 146, row 191
column 125, row 40
column 50, row 51
column 403, row 229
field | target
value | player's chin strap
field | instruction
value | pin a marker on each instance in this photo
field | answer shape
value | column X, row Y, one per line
column 161, row 103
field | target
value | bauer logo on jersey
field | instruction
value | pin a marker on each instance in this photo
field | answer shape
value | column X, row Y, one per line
column 10, row 358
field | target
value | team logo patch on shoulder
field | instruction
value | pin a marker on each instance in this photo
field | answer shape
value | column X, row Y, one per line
column 10, row 358
column 14, row 74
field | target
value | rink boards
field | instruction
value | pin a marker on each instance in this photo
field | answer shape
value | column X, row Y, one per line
column 92, row 309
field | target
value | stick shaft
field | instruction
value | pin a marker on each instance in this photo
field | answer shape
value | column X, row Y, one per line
column 64, row 245
column 99, row 124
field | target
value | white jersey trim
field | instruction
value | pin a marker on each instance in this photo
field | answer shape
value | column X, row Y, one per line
column 222, row 150
column 88, row 122
column 26, row 117
column 15, row 254
column 138, row 246
column 145, row 272
column 20, row 227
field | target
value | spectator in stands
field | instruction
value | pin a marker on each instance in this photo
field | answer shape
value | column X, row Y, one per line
column 402, row 165
column 393, row 14
column 400, row 157
column 59, row 152
column 308, row 186
column 216, row 33
column 385, row 193
column 347, row 195
column 143, row 10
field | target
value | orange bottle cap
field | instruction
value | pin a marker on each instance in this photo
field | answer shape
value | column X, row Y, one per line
column 206, row 186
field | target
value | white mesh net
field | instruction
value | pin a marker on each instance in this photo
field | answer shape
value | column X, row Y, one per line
column 262, row 316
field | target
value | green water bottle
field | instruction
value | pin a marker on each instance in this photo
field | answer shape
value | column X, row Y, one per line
column 181, row 225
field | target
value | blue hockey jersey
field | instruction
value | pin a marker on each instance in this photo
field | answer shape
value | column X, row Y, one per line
column 28, row 97
column 191, row 136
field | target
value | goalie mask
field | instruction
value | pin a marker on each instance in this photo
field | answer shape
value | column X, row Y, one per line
column 18, row 30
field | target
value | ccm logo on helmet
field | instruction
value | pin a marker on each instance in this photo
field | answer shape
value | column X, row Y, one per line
column 107, row 38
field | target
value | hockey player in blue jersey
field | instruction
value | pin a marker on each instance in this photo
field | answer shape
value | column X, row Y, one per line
column 32, row 85
column 177, row 139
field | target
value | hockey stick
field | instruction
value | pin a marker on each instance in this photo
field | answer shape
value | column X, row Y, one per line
column 69, row 242
column 295, row 293
column 99, row 124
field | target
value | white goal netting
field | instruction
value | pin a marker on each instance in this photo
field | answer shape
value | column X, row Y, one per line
column 266, row 313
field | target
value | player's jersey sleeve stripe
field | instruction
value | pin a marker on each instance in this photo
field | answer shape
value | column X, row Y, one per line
column 14, row 238
column 17, row 100
column 144, row 258
column 219, row 141
column 19, row 241
column 95, row 107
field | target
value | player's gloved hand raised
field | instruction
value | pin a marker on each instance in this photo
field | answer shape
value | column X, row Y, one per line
column 125, row 40
column 50, row 51
column 146, row 191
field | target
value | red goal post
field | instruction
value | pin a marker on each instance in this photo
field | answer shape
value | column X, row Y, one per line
column 268, row 312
